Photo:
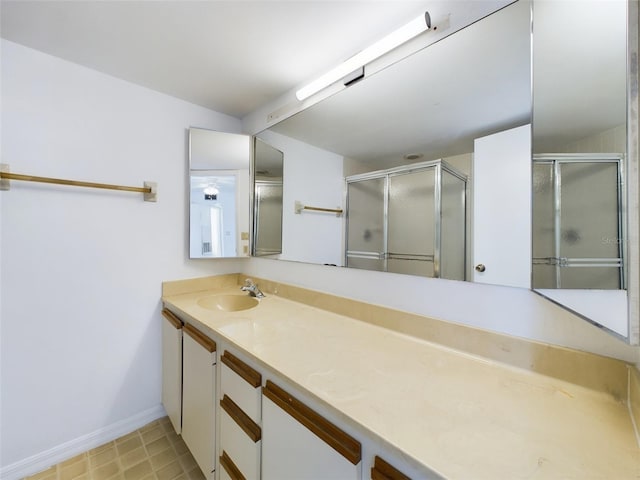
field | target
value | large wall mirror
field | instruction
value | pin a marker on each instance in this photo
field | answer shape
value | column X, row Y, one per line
column 219, row 186
column 429, row 162
column 387, row 174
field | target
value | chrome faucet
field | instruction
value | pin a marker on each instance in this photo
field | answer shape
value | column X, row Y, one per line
column 252, row 288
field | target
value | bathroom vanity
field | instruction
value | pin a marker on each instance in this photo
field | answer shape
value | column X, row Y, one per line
column 282, row 389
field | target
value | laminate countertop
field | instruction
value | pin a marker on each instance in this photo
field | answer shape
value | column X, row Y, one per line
column 456, row 414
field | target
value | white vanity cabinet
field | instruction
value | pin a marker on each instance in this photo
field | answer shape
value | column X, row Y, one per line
column 254, row 432
column 240, row 415
column 198, row 398
column 172, row 368
column 300, row 444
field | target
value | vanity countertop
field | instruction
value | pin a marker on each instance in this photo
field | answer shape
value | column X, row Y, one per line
column 460, row 415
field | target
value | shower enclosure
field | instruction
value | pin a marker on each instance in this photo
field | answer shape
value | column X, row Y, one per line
column 578, row 221
column 410, row 219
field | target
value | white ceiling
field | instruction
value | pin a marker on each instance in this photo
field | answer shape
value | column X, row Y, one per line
column 235, row 56
column 229, row 56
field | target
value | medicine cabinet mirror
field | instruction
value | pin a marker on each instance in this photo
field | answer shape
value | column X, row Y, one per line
column 219, row 186
column 466, row 101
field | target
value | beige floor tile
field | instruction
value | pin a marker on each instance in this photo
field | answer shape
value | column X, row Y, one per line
column 155, row 433
column 104, row 456
column 73, row 470
column 133, row 457
column 173, row 437
column 154, row 452
column 106, row 471
column 163, row 458
column 129, row 445
column 73, row 460
column 45, row 474
column 128, row 436
column 196, row 474
column 180, row 447
column 188, row 462
column 139, row 471
column 168, row 427
column 169, row 472
column 118, row 476
column 101, row 448
column 149, row 426
column 157, row 446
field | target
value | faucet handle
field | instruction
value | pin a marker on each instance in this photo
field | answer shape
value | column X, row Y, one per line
column 248, row 282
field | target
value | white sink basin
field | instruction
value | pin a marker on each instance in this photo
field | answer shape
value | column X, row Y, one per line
column 228, row 303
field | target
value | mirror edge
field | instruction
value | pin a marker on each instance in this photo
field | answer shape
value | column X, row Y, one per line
column 633, row 177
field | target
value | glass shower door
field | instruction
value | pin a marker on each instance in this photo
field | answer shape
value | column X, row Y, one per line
column 366, row 230
column 412, row 223
column 589, row 219
column 577, row 223
column 543, row 233
column 453, row 227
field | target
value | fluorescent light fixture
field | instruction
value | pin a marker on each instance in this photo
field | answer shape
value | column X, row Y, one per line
column 388, row 43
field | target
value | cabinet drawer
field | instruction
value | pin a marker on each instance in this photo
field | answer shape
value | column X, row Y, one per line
column 383, row 471
column 228, row 469
column 242, row 384
column 240, row 439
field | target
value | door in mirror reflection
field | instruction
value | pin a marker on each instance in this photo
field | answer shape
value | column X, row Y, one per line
column 213, row 216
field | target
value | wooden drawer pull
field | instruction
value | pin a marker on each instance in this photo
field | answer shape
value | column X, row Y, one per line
column 242, row 369
column 173, row 320
column 383, row 471
column 231, row 468
column 340, row 441
column 200, row 337
column 251, row 428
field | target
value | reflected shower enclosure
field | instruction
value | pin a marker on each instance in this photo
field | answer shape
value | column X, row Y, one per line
column 578, row 221
column 268, row 166
column 408, row 219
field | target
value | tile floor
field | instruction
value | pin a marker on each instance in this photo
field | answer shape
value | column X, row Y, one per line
column 154, row 452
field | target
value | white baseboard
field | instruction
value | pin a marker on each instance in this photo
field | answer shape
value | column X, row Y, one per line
column 70, row 449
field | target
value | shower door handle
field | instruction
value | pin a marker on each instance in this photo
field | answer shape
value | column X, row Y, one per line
column 480, row 268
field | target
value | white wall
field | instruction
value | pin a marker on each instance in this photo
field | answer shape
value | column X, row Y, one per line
column 81, row 269
column 314, row 177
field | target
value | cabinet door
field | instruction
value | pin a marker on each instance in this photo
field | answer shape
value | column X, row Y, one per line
column 299, row 444
column 172, row 368
column 198, row 398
